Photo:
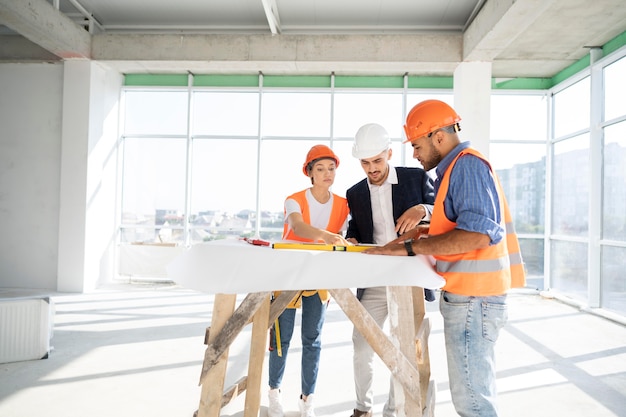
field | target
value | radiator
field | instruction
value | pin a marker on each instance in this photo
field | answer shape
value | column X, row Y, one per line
column 25, row 329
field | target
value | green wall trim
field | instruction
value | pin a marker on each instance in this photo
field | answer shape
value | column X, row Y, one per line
column 156, row 80
column 572, row 70
column 301, row 81
column 614, row 44
column 342, row 81
column 430, row 82
column 216, row 80
column 521, row 84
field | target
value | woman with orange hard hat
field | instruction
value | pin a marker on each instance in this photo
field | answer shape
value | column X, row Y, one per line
column 314, row 214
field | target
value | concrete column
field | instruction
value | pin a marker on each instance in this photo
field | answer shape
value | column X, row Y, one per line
column 88, row 175
column 472, row 101
column 72, row 210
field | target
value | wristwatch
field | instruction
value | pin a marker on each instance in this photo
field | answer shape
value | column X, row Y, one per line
column 408, row 245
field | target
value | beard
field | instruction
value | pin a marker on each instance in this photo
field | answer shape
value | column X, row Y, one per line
column 433, row 159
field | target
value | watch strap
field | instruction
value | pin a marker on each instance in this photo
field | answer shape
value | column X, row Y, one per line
column 408, row 245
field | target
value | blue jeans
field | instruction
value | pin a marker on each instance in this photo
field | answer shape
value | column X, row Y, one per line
column 313, row 314
column 471, row 326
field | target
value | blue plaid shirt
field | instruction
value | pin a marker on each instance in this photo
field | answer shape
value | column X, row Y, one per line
column 472, row 199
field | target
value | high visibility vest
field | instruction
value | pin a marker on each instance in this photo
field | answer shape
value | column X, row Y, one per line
column 482, row 272
column 338, row 215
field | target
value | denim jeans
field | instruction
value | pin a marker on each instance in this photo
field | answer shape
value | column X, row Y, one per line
column 313, row 314
column 374, row 300
column 471, row 326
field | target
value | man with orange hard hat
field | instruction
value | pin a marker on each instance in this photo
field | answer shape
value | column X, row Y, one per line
column 472, row 239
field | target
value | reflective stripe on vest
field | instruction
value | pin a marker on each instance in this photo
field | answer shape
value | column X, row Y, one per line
column 475, row 266
column 489, row 271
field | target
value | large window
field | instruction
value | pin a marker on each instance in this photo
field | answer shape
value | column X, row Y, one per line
column 613, row 259
column 570, row 189
column 517, row 151
column 154, row 166
column 205, row 163
column 224, row 168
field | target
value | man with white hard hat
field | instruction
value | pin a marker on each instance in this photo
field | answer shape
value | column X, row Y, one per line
column 383, row 206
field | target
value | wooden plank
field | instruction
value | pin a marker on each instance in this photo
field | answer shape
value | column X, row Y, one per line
column 422, row 331
column 401, row 368
column 212, row 381
column 402, row 334
column 419, row 306
column 280, row 303
column 232, row 327
column 234, row 390
column 258, row 347
column 423, row 357
column 429, row 405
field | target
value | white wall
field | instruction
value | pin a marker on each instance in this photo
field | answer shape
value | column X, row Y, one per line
column 58, row 167
column 30, row 147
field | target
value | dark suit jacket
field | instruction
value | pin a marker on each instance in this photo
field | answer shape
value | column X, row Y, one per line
column 414, row 187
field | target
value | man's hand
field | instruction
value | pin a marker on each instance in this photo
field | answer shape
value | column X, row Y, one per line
column 415, row 233
column 410, row 219
column 396, row 249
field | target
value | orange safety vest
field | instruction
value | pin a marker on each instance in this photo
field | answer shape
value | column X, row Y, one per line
column 338, row 215
column 482, row 272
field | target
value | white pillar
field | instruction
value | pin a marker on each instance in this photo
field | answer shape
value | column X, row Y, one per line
column 88, row 175
column 472, row 101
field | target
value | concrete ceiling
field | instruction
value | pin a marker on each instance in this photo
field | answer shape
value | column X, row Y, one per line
column 522, row 38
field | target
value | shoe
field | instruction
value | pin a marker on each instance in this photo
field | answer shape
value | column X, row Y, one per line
column 306, row 407
column 359, row 413
column 275, row 409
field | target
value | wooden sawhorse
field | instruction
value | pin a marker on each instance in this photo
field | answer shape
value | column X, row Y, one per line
column 404, row 352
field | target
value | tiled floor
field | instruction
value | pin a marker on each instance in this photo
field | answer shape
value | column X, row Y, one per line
column 137, row 350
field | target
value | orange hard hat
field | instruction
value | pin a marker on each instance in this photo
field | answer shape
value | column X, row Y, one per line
column 318, row 152
column 428, row 116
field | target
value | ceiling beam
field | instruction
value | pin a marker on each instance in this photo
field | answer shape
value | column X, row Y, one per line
column 42, row 24
column 432, row 54
column 497, row 25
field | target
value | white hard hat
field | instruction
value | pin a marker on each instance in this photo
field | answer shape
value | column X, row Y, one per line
column 370, row 140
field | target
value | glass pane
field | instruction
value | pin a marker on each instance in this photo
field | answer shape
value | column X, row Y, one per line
column 152, row 112
column 572, row 108
column 153, row 191
column 522, row 172
column 613, row 282
column 353, row 110
column 615, row 90
column 533, row 255
column 517, row 117
column 570, row 191
column 225, row 113
column 568, row 269
column 296, row 114
column 281, row 172
column 414, row 98
column 614, row 182
column 349, row 171
column 223, row 191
